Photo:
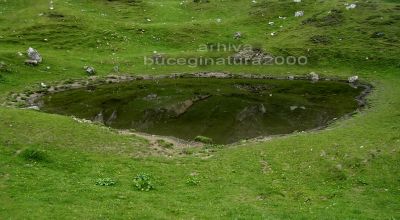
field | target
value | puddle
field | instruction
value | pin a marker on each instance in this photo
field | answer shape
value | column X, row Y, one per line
column 226, row 110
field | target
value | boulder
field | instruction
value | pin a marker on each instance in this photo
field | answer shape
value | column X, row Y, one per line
column 90, row 70
column 34, row 55
column 351, row 6
column 353, row 79
column 313, row 76
column 299, row 14
column 237, row 35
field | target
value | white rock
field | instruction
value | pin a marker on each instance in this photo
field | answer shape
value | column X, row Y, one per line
column 351, row 6
column 90, row 70
column 292, row 108
column 237, row 35
column 34, row 55
column 34, row 108
column 299, row 14
column 314, row 76
column 353, row 79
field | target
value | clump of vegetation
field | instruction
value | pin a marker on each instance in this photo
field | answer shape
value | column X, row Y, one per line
column 143, row 182
column 203, row 139
column 209, row 148
column 105, row 182
column 193, row 180
column 188, row 151
column 334, row 17
column 35, row 155
column 201, row 1
column 165, row 144
column 320, row 39
column 4, row 68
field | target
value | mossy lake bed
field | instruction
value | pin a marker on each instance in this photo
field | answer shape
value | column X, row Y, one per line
column 224, row 110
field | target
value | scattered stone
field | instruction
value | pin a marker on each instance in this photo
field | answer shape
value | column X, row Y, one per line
column 290, row 77
column 353, row 79
column 51, row 5
column 297, row 1
column 151, row 97
column 31, row 62
column 34, row 55
column 158, row 58
column 299, row 14
column 112, row 118
column 314, row 77
column 90, row 70
column 237, row 35
column 253, row 55
column 292, row 108
column 99, row 118
column 34, row 108
column 351, row 6
column 378, row 35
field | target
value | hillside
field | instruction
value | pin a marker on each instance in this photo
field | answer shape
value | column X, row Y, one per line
column 50, row 164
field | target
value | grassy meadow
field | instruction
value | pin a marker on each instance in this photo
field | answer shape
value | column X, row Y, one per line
column 53, row 167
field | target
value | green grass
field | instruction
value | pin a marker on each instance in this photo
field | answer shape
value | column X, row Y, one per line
column 347, row 171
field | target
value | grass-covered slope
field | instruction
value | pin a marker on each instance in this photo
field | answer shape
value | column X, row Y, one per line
column 50, row 164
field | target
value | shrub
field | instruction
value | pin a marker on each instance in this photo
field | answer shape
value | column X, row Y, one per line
column 165, row 144
column 193, row 181
column 143, row 182
column 34, row 155
column 203, row 139
column 105, row 182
